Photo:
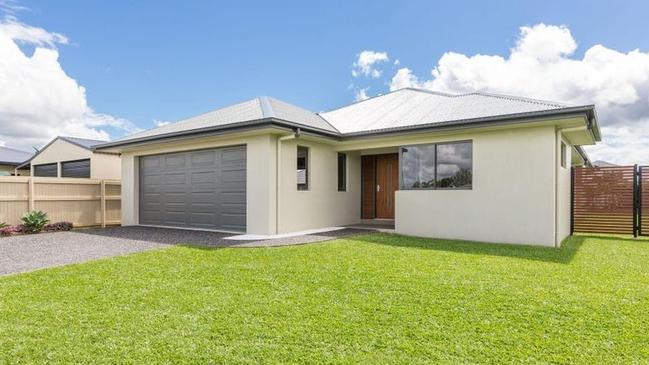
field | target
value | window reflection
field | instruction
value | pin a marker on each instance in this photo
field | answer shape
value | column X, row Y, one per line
column 437, row 166
column 454, row 165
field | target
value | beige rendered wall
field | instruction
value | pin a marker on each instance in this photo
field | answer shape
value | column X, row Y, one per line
column 322, row 205
column 563, row 190
column 260, row 198
column 105, row 166
column 512, row 200
column 59, row 151
column 102, row 165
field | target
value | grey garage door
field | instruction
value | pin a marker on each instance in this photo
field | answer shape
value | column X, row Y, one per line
column 199, row 189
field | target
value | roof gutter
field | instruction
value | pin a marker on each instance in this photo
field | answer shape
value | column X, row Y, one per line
column 257, row 123
column 492, row 120
column 589, row 110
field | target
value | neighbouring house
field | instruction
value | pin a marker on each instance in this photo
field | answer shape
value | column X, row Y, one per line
column 475, row 166
column 600, row 163
column 11, row 159
column 73, row 157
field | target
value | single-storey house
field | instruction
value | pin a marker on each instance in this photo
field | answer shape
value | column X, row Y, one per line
column 10, row 159
column 475, row 166
column 74, row 157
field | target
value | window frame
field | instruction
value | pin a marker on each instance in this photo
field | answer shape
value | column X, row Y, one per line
column 401, row 184
column 77, row 177
column 343, row 187
column 306, row 186
column 56, row 174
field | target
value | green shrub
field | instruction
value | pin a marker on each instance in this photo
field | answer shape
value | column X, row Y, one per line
column 3, row 225
column 34, row 221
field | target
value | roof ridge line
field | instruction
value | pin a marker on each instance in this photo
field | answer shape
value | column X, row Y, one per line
column 267, row 110
column 517, row 98
column 268, row 99
column 439, row 93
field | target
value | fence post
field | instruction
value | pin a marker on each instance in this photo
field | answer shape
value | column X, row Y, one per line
column 30, row 194
column 102, row 188
column 635, row 200
column 572, row 200
column 639, row 189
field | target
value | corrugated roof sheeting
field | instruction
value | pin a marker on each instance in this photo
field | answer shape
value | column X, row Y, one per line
column 401, row 109
column 409, row 107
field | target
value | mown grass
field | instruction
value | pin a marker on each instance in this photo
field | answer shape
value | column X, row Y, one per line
column 368, row 299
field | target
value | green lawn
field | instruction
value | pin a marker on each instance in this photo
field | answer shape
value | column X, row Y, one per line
column 368, row 299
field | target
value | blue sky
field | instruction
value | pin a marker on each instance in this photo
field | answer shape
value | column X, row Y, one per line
column 156, row 60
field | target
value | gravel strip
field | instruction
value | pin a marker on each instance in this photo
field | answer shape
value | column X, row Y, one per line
column 31, row 252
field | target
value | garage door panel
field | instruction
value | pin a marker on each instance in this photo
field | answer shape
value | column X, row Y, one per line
column 233, row 220
column 235, row 155
column 175, row 160
column 203, row 158
column 203, row 177
column 151, row 164
column 200, row 189
column 204, row 208
column 230, row 198
column 236, row 209
column 237, row 176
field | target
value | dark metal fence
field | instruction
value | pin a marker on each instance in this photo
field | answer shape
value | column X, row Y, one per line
column 643, row 200
column 610, row 200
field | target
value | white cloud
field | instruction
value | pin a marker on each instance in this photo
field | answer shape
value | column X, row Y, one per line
column 10, row 7
column 361, row 94
column 38, row 100
column 365, row 64
column 23, row 33
column 160, row 123
column 541, row 66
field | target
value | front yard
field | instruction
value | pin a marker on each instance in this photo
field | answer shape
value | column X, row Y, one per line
column 365, row 299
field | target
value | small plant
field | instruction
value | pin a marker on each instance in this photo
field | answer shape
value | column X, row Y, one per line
column 9, row 230
column 58, row 226
column 3, row 225
column 34, row 221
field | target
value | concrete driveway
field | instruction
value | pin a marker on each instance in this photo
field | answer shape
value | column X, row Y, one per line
column 31, row 252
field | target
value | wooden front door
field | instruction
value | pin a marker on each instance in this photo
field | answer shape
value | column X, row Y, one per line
column 387, row 182
column 380, row 177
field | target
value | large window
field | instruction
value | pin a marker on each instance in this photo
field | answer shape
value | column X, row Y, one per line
column 437, row 166
column 342, row 172
column 302, row 168
column 46, row 170
column 79, row 168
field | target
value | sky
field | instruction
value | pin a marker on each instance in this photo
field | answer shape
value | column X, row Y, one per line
column 107, row 69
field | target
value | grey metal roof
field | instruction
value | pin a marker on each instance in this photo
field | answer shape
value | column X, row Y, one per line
column 258, row 109
column 81, row 142
column 400, row 110
column 10, row 156
column 412, row 107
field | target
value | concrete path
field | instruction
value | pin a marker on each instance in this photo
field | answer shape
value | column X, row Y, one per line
column 31, row 252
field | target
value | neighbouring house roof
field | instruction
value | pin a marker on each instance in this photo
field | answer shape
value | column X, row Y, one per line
column 400, row 110
column 81, row 142
column 600, row 163
column 13, row 157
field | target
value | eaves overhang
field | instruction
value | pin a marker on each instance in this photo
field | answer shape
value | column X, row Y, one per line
column 588, row 112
